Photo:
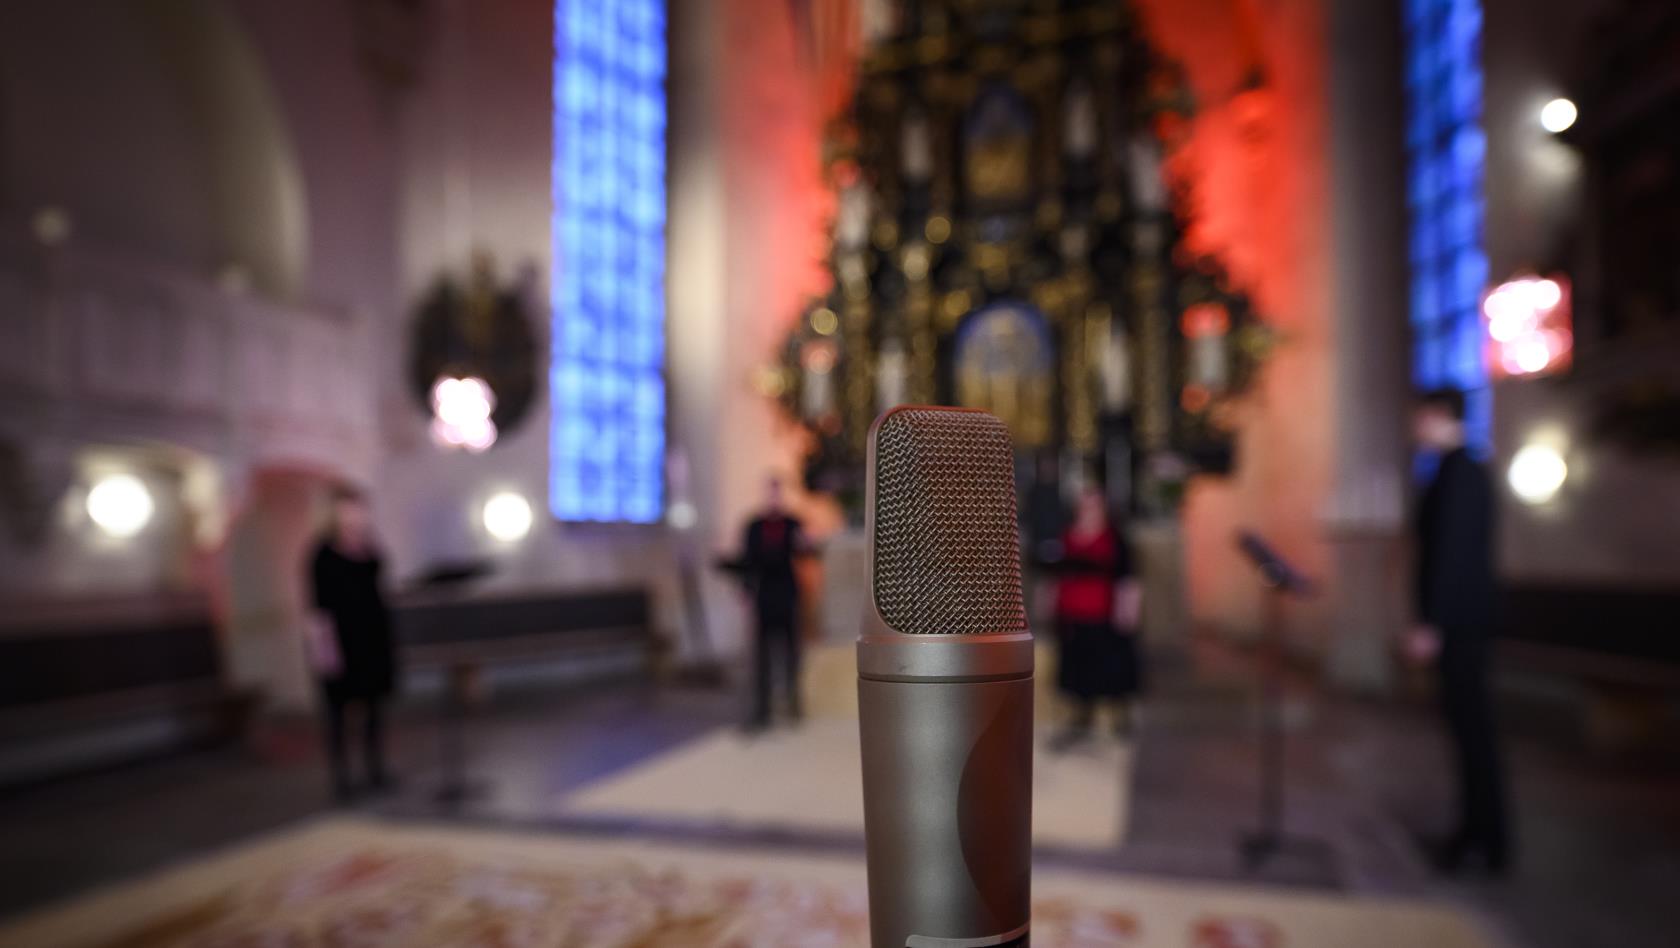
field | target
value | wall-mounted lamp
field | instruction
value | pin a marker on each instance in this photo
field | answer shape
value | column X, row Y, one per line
column 120, row 505
column 1558, row 115
column 1537, row 473
column 1530, row 326
column 507, row 517
column 461, row 409
column 681, row 515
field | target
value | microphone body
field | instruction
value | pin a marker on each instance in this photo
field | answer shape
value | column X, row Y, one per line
column 945, row 689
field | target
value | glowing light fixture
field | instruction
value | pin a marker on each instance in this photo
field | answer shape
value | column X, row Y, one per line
column 1537, row 473
column 1529, row 326
column 1558, row 115
column 682, row 515
column 120, row 505
column 461, row 410
column 507, row 517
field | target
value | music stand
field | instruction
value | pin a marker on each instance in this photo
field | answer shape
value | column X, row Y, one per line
column 456, row 785
column 1282, row 582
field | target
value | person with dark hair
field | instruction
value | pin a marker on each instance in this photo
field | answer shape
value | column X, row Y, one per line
column 1455, row 609
column 350, row 641
column 770, row 545
column 1096, row 613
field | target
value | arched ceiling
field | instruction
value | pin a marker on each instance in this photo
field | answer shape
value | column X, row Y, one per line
column 154, row 125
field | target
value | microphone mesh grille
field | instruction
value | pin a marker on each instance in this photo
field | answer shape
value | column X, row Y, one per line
column 946, row 550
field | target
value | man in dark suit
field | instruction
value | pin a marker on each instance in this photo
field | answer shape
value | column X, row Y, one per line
column 1455, row 605
column 769, row 547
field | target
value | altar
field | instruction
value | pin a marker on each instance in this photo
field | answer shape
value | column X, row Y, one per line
column 1007, row 237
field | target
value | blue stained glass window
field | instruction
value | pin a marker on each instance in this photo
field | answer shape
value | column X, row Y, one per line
column 1472, row 276
column 1478, row 416
column 1446, row 152
column 1423, row 247
column 1467, row 349
column 1428, row 366
column 607, row 376
column 1423, row 303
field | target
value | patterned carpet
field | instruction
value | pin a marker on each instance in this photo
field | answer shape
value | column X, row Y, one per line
column 351, row 883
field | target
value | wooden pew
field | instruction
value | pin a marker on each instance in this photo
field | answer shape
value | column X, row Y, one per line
column 1621, row 647
column 103, row 682
column 439, row 630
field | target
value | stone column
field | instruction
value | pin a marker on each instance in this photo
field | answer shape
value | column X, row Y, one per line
column 1364, row 521
column 698, row 329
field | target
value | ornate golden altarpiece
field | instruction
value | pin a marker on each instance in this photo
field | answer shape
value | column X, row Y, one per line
column 1005, row 239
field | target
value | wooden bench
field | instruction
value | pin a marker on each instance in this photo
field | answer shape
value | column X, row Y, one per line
column 463, row 635
column 1621, row 646
column 103, row 682
column 442, row 631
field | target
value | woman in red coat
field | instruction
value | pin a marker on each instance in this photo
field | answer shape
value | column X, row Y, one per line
column 1097, row 605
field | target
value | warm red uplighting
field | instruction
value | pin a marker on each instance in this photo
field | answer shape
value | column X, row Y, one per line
column 1257, row 201
column 1529, row 326
column 1206, row 319
column 1195, row 399
column 819, row 357
column 844, row 173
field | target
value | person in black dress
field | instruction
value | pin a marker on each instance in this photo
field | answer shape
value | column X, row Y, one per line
column 1097, row 606
column 1455, row 607
column 770, row 545
column 351, row 647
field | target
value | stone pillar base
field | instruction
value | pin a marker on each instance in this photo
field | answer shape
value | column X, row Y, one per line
column 1368, row 608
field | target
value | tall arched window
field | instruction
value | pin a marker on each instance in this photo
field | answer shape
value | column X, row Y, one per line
column 1446, row 151
column 607, row 376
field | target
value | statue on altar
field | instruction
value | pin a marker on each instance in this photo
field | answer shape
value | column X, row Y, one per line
column 1003, row 364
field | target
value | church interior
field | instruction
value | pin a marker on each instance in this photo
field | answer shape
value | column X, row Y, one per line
column 436, row 451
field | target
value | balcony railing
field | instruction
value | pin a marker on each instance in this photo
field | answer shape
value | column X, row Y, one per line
column 95, row 348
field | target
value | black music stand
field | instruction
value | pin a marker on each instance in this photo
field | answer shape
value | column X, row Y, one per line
column 456, row 785
column 1282, row 582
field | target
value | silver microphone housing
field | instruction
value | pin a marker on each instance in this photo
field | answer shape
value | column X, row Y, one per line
column 945, row 666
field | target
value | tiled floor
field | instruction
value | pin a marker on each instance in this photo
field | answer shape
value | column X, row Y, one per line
column 1600, row 859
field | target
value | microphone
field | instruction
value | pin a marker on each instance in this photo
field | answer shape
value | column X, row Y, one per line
column 945, row 690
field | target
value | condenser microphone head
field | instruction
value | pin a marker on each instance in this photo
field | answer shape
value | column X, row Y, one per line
column 945, row 686
column 944, row 549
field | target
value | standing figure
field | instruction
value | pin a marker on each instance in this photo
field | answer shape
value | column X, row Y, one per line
column 1043, row 520
column 769, row 547
column 1455, row 609
column 350, row 638
column 1098, row 600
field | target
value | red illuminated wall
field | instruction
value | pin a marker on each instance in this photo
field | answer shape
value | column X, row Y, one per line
column 777, row 211
column 1255, row 163
column 778, row 204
